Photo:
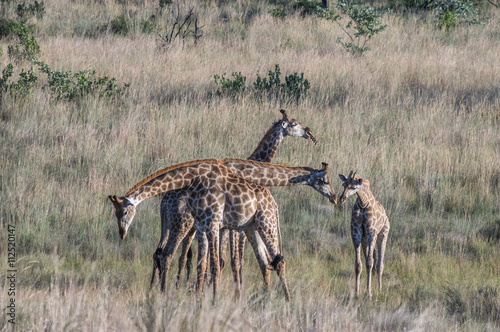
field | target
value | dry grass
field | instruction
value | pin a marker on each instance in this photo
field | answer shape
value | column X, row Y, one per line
column 418, row 116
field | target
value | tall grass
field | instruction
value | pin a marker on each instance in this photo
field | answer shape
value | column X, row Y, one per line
column 418, row 116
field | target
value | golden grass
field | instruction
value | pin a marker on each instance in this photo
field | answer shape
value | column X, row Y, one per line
column 418, row 117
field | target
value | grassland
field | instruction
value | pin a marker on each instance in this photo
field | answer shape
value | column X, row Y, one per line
column 418, row 116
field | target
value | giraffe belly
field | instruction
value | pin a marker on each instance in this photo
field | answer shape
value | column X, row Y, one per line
column 238, row 216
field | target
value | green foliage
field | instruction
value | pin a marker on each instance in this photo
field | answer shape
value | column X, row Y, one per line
column 68, row 85
column 283, row 8
column 26, row 11
column 9, row 27
column 27, row 48
column 164, row 3
column 449, row 13
column 306, row 7
column 294, row 87
column 363, row 23
column 27, row 79
column 6, row 75
column 121, row 24
column 148, row 26
column 278, row 12
column 447, row 20
column 228, row 87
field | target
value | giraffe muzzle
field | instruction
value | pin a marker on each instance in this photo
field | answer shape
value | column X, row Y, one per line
column 308, row 135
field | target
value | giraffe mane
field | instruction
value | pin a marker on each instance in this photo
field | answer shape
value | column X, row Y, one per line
column 364, row 181
column 168, row 169
column 254, row 162
column 264, row 139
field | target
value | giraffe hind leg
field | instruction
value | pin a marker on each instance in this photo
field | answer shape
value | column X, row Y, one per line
column 156, row 266
column 381, row 243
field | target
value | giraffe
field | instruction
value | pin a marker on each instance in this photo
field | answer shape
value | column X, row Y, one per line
column 218, row 198
column 173, row 205
column 261, row 174
column 369, row 227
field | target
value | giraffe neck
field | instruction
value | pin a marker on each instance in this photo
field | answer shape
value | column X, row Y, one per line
column 365, row 196
column 268, row 145
column 170, row 178
column 266, row 174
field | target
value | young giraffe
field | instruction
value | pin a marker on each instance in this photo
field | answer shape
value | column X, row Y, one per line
column 369, row 226
column 218, row 198
column 264, row 174
column 173, row 205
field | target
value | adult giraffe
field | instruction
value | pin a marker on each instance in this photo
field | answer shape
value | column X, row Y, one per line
column 218, row 198
column 259, row 173
column 173, row 205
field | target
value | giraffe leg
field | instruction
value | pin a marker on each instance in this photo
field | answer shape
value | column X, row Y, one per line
column 233, row 242
column 224, row 235
column 155, row 270
column 186, row 255
column 370, row 241
column 165, row 232
column 202, row 261
column 260, row 251
column 356, row 241
column 213, row 247
column 381, row 243
column 241, row 251
column 174, row 239
column 268, row 231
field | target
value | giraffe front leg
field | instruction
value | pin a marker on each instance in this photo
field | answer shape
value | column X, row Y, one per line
column 185, row 257
column 369, row 262
column 174, row 239
column 155, row 269
column 356, row 241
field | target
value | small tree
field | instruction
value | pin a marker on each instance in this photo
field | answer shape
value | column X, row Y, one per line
column 363, row 24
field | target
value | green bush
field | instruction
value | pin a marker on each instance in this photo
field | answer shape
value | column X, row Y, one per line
column 9, row 27
column 26, row 11
column 27, row 80
column 228, row 87
column 27, row 48
column 294, row 87
column 449, row 13
column 68, row 85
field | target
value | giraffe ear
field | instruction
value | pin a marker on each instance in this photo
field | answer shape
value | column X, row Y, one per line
column 359, row 181
column 285, row 116
column 342, row 177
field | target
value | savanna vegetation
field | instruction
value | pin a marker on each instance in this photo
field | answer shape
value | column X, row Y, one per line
column 95, row 95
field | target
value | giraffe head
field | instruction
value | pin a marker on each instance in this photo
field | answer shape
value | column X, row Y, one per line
column 292, row 127
column 351, row 185
column 124, row 211
column 319, row 180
